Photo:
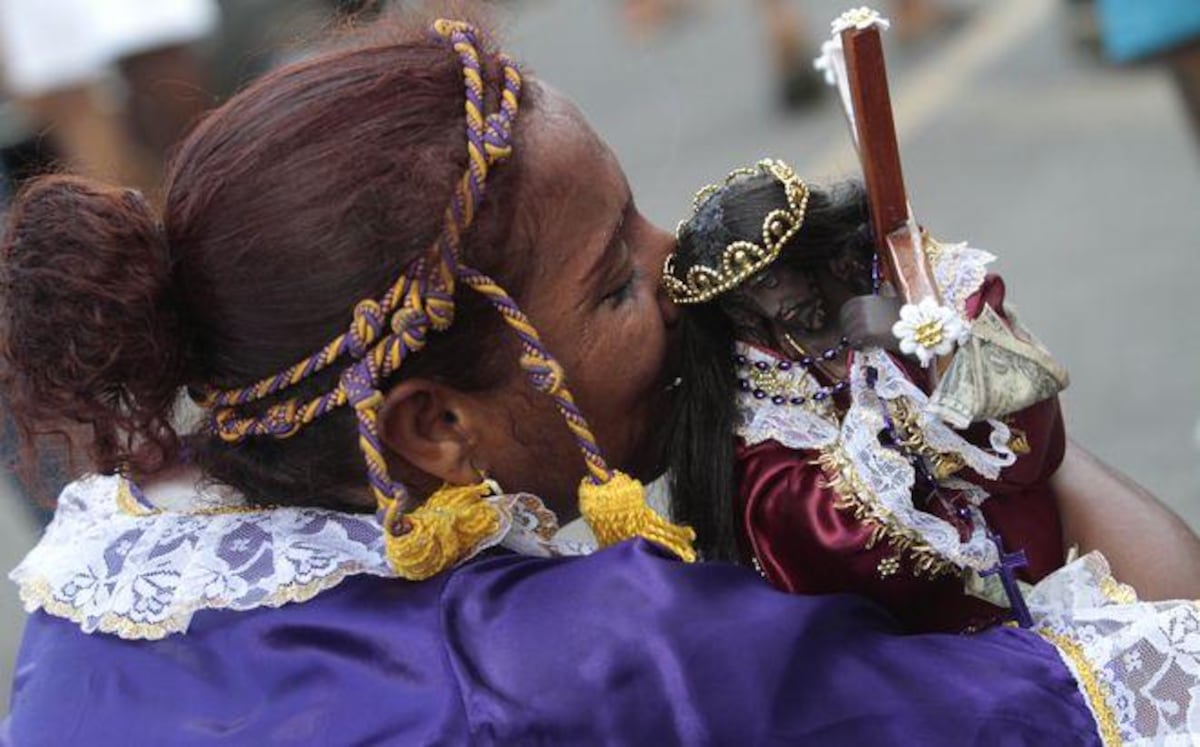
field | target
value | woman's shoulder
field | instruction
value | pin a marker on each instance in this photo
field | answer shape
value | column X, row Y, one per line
column 508, row 649
column 310, row 673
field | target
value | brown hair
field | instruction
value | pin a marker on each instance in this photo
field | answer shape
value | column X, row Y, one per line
column 301, row 196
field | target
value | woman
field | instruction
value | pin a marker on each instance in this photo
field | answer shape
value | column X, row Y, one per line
column 316, row 202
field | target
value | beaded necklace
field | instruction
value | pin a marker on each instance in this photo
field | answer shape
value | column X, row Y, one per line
column 763, row 374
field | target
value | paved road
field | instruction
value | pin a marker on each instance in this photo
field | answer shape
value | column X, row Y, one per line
column 1083, row 180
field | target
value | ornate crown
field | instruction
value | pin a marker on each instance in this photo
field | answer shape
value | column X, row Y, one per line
column 741, row 259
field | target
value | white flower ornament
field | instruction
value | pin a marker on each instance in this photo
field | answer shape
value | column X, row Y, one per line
column 860, row 18
column 928, row 329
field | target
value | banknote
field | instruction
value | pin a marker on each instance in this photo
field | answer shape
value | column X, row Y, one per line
column 998, row 372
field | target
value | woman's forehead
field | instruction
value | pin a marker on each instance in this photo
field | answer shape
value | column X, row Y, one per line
column 574, row 187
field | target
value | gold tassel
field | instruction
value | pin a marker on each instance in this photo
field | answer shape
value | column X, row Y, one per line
column 616, row 510
column 442, row 531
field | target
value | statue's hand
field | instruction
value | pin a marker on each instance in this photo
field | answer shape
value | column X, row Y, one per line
column 867, row 321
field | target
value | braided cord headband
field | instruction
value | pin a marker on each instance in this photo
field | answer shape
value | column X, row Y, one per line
column 424, row 540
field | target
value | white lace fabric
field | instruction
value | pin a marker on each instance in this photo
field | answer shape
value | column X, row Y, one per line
column 114, row 567
column 1137, row 663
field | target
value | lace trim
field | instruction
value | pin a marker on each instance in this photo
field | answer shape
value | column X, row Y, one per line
column 113, row 564
column 37, row 593
column 1094, row 692
column 855, row 496
column 1137, row 663
column 796, row 427
column 958, row 270
column 886, row 478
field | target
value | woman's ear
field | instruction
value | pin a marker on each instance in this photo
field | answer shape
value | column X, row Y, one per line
column 432, row 427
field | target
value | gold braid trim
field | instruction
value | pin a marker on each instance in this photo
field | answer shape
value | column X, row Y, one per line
column 443, row 530
column 616, row 510
column 1089, row 681
column 856, row 497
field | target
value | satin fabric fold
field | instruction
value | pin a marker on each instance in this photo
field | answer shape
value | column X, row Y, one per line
column 624, row 647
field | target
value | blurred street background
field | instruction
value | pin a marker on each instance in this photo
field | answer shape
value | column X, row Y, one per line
column 1016, row 135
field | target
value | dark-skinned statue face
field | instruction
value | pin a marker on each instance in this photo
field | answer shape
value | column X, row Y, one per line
column 792, row 299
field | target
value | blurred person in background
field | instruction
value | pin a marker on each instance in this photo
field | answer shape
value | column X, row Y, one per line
column 59, row 57
column 1166, row 31
column 789, row 44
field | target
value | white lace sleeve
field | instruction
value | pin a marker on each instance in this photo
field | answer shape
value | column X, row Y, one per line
column 1138, row 663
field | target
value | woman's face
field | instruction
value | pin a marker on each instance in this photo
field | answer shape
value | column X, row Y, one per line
column 593, row 294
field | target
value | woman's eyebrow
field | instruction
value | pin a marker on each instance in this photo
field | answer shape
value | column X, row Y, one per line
column 612, row 246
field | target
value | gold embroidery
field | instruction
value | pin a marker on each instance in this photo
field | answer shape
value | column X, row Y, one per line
column 1019, row 442
column 913, row 440
column 1089, row 681
column 758, row 568
column 855, row 496
column 128, row 504
column 1117, row 592
column 889, row 566
column 771, row 382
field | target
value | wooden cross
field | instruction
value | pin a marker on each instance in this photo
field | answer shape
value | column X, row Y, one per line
column 894, row 229
column 904, row 264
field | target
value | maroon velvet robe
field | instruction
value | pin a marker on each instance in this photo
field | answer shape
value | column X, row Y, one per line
column 804, row 544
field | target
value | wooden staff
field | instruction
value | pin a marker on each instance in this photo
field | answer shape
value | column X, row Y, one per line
column 904, row 263
column 894, row 229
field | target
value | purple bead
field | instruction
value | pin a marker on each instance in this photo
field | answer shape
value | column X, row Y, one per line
column 739, row 359
column 806, row 361
column 829, row 354
column 840, row 387
column 761, row 365
column 759, row 394
column 784, row 366
column 778, row 400
column 743, row 385
column 797, row 400
column 964, row 513
column 820, row 396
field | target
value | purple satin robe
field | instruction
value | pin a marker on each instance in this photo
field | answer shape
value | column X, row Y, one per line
column 623, row 647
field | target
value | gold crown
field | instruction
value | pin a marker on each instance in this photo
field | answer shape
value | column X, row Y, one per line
column 741, row 259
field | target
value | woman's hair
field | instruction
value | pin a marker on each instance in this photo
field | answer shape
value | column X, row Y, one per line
column 701, row 452
column 304, row 194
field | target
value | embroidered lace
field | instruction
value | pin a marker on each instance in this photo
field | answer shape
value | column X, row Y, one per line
column 113, row 568
column 1138, row 663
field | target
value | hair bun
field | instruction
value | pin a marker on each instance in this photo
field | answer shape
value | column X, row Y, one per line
column 88, row 333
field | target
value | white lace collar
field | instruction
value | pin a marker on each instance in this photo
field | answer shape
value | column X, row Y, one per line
column 112, row 563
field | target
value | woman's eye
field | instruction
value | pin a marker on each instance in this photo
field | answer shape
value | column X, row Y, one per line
column 623, row 292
